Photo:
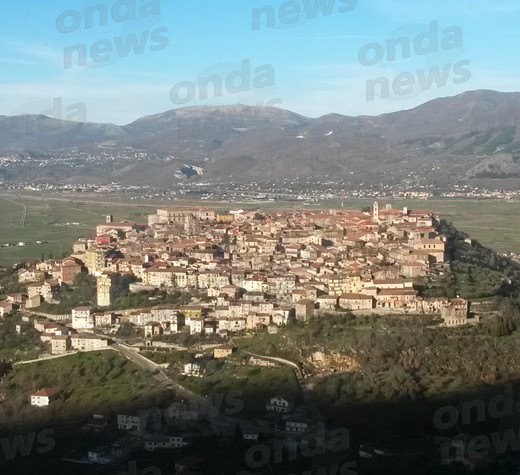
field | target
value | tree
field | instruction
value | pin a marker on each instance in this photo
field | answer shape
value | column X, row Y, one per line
column 5, row 367
column 126, row 329
column 502, row 326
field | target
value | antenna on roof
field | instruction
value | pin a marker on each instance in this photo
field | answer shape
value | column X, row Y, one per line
column 342, row 197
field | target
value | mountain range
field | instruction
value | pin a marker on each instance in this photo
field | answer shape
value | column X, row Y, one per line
column 473, row 137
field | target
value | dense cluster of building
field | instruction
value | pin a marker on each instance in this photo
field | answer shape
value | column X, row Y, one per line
column 64, row 338
column 261, row 269
column 254, row 269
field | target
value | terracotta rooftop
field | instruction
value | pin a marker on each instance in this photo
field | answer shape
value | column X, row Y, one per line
column 46, row 392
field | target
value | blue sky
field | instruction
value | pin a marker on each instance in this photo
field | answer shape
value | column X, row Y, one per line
column 316, row 58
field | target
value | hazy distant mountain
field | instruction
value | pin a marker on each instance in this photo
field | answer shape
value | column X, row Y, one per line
column 473, row 135
column 41, row 134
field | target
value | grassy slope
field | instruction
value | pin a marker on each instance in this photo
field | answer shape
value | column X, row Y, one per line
column 91, row 382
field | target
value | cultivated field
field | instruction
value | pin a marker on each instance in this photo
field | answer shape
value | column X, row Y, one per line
column 59, row 219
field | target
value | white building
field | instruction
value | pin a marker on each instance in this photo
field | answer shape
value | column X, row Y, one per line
column 159, row 442
column 196, row 325
column 135, row 422
column 82, row 318
column 279, row 404
column 44, row 397
column 87, row 342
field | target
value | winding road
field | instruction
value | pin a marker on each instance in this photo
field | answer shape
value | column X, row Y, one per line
column 157, row 373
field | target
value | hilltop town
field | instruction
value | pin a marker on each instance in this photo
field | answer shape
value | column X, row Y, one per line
column 249, row 270
column 238, row 272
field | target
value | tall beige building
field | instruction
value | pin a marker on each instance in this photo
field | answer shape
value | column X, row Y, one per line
column 95, row 260
column 104, row 289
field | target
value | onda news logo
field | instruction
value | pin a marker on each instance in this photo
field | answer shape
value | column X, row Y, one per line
column 41, row 442
column 108, row 50
column 416, row 58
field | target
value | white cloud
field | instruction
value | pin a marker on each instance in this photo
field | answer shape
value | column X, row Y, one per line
column 30, row 53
